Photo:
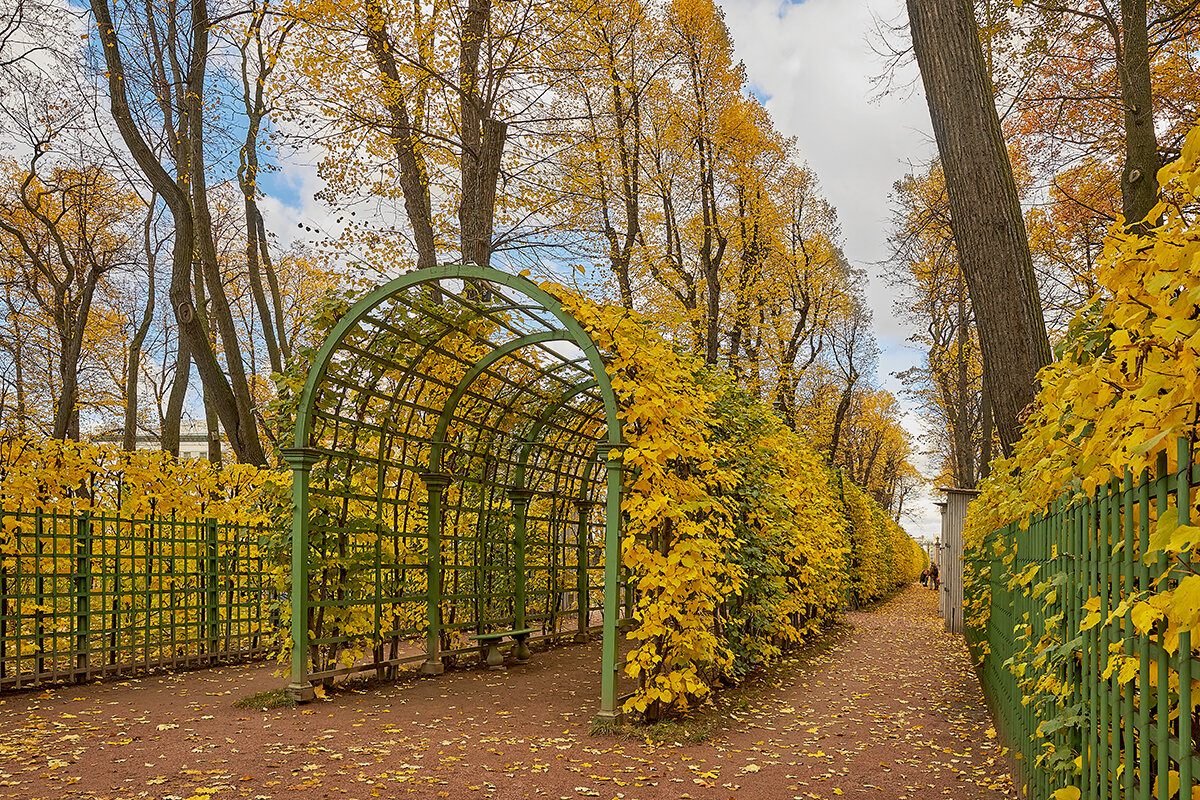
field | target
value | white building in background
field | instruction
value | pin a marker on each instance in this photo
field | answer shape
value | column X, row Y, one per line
column 193, row 440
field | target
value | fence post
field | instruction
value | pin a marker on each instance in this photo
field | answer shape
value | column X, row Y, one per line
column 211, row 589
column 1162, row 763
column 83, row 588
column 1183, row 505
column 1145, row 694
column 40, row 588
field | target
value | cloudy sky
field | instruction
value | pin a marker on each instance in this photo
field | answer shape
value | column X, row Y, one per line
column 813, row 62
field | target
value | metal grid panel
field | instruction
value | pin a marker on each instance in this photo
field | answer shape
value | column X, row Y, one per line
column 89, row 595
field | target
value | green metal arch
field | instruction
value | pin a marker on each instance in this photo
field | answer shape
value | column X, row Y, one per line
column 302, row 456
column 443, row 424
column 578, row 335
column 543, row 418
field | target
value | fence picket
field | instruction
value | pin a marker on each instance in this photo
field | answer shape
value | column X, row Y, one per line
column 1129, row 734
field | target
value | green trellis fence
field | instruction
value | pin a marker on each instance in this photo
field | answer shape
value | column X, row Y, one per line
column 89, row 595
column 1107, row 710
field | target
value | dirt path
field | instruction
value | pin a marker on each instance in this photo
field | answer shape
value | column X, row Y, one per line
column 891, row 712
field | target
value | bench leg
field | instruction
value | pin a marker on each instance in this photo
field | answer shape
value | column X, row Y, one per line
column 495, row 659
column 522, row 649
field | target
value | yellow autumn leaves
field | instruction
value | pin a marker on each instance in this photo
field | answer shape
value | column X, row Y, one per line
column 63, row 477
column 739, row 539
column 1121, row 401
column 1125, row 386
column 1125, row 383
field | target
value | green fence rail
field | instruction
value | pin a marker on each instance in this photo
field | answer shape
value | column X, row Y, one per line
column 84, row 596
column 1093, row 705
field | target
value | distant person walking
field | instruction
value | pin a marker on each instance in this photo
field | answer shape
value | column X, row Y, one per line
column 925, row 577
column 933, row 576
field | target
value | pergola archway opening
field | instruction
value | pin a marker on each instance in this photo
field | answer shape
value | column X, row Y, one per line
column 451, row 477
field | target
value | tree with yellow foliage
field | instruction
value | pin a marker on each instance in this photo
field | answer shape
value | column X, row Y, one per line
column 62, row 231
column 159, row 83
column 440, row 106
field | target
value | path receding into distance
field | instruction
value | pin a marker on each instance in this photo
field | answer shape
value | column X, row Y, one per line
column 891, row 711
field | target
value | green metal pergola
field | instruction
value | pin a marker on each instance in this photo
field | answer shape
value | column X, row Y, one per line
column 453, row 437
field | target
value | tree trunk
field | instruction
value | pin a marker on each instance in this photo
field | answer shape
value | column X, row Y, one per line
column 985, row 445
column 255, row 73
column 68, row 396
column 285, row 346
column 169, row 435
column 840, row 416
column 413, row 177
column 212, row 433
column 238, row 416
column 129, row 434
column 985, row 211
column 483, row 140
column 212, row 423
column 191, row 222
column 963, row 435
column 19, row 374
column 72, row 324
column 630, row 157
column 1139, row 180
column 253, row 249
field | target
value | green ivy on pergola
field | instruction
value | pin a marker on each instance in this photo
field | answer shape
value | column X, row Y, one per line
column 449, row 447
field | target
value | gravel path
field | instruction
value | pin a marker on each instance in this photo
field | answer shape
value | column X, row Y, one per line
column 891, row 711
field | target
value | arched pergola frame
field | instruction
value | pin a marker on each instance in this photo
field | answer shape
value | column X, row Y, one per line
column 392, row 395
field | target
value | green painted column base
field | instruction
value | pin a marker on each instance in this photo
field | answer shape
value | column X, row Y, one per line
column 300, row 692
column 433, row 666
column 580, row 638
column 495, row 659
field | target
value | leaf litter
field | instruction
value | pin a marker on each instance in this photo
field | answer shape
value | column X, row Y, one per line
column 892, row 711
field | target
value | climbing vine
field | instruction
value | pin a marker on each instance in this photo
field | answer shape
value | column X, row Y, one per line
column 1121, row 394
column 740, row 540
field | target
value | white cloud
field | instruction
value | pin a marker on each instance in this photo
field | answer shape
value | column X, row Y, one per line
column 290, row 201
column 814, row 61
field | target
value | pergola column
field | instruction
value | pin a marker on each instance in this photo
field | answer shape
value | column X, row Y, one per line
column 301, row 460
column 520, row 502
column 583, row 509
column 611, row 455
column 435, row 487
